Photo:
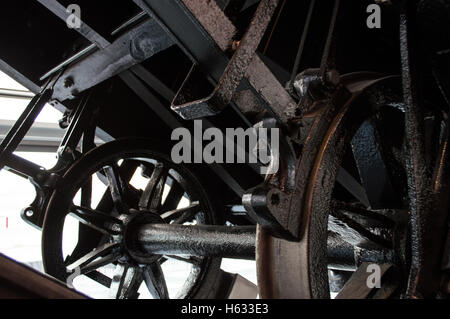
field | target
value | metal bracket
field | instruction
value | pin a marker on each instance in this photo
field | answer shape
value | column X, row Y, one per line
column 268, row 203
column 234, row 72
column 43, row 180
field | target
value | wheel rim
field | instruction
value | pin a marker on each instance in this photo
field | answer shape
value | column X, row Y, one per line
column 157, row 200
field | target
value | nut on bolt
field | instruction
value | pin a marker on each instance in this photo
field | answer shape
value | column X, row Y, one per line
column 69, row 82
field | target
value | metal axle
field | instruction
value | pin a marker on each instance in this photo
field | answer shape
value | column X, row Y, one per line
column 198, row 240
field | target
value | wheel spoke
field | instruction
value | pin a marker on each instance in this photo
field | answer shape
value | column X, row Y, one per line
column 155, row 281
column 352, row 186
column 173, row 197
column 117, row 186
column 86, row 193
column 97, row 220
column 369, row 216
column 152, row 197
column 126, row 282
column 88, row 238
column 100, row 257
column 369, row 157
column 182, row 215
column 100, row 278
column 356, row 234
column 123, row 194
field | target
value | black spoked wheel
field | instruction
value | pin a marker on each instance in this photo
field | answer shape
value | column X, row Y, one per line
column 99, row 197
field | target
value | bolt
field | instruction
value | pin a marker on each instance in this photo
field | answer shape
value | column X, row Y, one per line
column 235, row 45
column 275, row 199
column 68, row 82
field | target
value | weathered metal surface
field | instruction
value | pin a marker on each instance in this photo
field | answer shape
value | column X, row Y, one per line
column 213, row 19
column 207, row 48
column 236, row 68
column 372, row 169
column 128, row 50
column 426, row 218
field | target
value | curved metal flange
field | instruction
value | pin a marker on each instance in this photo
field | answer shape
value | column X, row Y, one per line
column 302, row 262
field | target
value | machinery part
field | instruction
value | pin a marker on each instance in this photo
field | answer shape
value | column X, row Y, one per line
column 16, row 94
column 427, row 219
column 299, row 270
column 203, row 31
column 83, row 124
column 234, row 71
column 135, row 46
column 20, row 282
column 23, row 124
column 169, row 194
column 267, row 203
column 208, row 241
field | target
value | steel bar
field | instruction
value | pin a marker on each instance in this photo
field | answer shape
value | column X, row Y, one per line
column 83, row 53
column 81, row 118
column 19, row 77
column 423, row 277
column 16, row 94
column 301, row 47
column 211, row 241
column 131, row 48
column 42, row 137
column 326, row 54
column 23, row 167
column 23, row 125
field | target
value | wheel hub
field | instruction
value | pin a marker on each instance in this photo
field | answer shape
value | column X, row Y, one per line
column 130, row 224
